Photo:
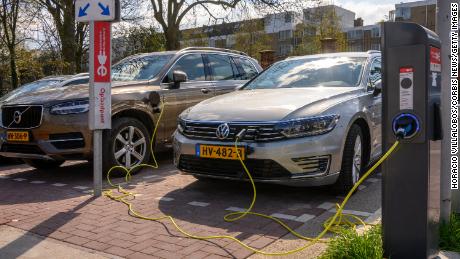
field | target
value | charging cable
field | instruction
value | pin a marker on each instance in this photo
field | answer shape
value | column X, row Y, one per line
column 332, row 224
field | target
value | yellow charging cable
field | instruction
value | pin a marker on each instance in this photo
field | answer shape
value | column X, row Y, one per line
column 332, row 224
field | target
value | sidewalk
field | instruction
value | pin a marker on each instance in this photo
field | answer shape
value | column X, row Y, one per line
column 16, row 243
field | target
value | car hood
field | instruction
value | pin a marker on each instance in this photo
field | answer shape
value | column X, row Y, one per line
column 54, row 95
column 269, row 104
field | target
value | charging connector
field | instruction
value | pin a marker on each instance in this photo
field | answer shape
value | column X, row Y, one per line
column 406, row 126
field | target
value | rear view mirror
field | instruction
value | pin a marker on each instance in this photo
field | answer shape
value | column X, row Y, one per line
column 178, row 77
column 377, row 87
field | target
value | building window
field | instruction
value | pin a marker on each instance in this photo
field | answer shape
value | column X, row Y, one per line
column 288, row 17
column 402, row 13
column 375, row 32
column 284, row 35
column 285, row 49
column 355, row 34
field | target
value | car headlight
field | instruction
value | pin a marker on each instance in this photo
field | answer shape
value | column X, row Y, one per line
column 73, row 107
column 180, row 125
column 308, row 126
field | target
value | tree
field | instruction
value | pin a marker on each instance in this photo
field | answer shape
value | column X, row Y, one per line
column 251, row 38
column 71, row 34
column 170, row 14
column 9, row 16
column 139, row 39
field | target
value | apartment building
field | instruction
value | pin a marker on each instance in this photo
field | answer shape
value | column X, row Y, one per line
column 280, row 27
column 421, row 12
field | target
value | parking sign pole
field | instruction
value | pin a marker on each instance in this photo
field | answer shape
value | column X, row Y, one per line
column 99, row 15
column 97, row 134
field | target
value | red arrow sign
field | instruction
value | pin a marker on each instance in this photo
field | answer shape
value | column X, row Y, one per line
column 101, row 53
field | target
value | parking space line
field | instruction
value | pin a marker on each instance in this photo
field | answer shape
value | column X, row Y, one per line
column 326, row 205
column 59, row 184
column 283, row 216
column 37, row 182
column 353, row 212
column 165, row 199
column 81, row 187
column 19, row 179
column 304, row 218
column 198, row 204
column 236, row 209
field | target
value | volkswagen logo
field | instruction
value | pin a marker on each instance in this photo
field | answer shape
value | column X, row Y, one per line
column 223, row 131
column 17, row 116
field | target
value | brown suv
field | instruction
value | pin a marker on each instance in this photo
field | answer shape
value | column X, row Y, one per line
column 49, row 126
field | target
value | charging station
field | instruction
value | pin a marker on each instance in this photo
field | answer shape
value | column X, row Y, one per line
column 411, row 113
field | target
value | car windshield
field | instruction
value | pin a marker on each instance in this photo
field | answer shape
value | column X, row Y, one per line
column 311, row 72
column 139, row 68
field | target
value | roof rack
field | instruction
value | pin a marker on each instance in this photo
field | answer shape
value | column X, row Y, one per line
column 215, row 49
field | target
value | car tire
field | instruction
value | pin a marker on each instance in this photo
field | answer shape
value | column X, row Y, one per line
column 353, row 161
column 44, row 164
column 127, row 144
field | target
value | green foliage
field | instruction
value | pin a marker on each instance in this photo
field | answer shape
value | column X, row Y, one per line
column 351, row 245
column 450, row 234
column 138, row 40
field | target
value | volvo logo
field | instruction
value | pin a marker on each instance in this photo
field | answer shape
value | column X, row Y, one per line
column 17, row 117
column 223, row 131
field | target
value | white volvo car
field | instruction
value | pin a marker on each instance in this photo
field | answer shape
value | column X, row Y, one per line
column 305, row 121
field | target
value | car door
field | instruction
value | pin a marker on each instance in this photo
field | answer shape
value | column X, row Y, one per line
column 198, row 87
column 375, row 105
column 223, row 73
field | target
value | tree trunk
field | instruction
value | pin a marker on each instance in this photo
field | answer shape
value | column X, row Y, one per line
column 172, row 37
column 14, row 72
column 68, row 41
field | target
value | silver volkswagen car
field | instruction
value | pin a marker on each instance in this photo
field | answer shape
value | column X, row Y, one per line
column 305, row 121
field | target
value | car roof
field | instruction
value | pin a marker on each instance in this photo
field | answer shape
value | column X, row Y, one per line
column 340, row 54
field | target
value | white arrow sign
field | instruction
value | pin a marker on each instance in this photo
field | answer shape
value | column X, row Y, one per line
column 94, row 10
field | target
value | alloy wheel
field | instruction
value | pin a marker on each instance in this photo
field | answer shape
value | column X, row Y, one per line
column 357, row 160
column 130, row 147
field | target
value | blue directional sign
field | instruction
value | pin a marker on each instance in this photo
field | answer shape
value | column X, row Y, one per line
column 94, row 10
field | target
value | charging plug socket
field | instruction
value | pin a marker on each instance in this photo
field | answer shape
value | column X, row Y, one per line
column 406, row 126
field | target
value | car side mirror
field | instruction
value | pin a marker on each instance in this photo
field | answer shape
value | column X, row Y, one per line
column 178, row 78
column 377, row 87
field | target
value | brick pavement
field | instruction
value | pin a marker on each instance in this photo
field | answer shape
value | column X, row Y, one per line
column 70, row 215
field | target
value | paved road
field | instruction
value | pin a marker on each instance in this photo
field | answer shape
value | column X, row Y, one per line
column 57, row 204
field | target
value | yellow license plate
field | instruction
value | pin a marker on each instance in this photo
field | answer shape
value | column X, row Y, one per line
column 21, row 136
column 220, row 152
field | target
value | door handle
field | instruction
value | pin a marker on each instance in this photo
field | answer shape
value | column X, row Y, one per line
column 205, row 90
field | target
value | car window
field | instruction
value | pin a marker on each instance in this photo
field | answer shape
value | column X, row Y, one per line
column 311, row 72
column 375, row 73
column 249, row 70
column 192, row 65
column 221, row 67
column 78, row 82
column 139, row 68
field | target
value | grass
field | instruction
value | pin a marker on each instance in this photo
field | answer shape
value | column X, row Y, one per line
column 351, row 245
column 450, row 234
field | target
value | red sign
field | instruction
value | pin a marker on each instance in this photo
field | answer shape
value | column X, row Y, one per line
column 101, row 53
column 435, row 59
column 406, row 70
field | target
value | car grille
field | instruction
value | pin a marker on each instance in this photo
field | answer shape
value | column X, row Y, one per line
column 259, row 168
column 254, row 133
column 313, row 165
column 31, row 116
column 22, row 149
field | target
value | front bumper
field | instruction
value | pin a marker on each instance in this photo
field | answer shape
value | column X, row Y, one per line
column 279, row 158
column 59, row 137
